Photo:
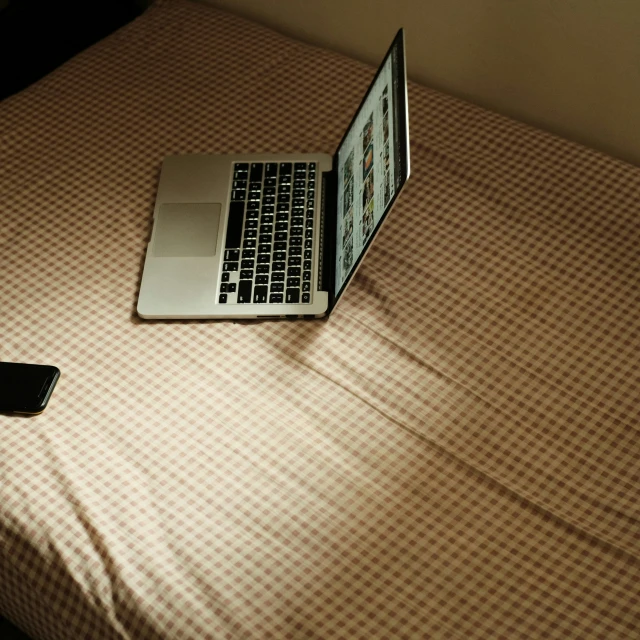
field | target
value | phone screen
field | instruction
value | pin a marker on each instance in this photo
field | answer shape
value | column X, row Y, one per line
column 26, row 388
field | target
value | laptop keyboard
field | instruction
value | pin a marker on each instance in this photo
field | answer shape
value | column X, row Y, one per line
column 269, row 243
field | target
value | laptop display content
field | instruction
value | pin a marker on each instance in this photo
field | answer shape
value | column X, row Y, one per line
column 371, row 165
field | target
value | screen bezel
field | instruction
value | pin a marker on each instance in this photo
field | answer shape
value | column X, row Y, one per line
column 401, row 109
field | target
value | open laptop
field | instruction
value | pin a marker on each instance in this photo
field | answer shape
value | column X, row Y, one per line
column 270, row 236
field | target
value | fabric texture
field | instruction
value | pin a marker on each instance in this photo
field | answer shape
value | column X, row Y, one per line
column 453, row 454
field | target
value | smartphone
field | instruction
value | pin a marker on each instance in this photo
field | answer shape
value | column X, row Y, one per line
column 26, row 388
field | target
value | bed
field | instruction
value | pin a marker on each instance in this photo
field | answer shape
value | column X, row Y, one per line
column 454, row 453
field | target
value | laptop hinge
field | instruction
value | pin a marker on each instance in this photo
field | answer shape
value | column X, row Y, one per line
column 328, row 220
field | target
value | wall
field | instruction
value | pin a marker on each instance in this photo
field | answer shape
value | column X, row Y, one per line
column 569, row 66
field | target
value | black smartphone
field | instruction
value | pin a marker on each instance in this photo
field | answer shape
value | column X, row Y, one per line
column 26, row 388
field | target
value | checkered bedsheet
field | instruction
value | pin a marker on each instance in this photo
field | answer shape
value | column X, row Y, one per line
column 455, row 453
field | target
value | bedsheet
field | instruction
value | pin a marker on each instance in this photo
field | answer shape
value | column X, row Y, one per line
column 453, row 454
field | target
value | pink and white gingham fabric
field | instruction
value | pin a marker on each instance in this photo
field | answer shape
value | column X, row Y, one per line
column 455, row 453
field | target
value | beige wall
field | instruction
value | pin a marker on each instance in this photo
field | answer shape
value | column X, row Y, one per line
column 569, row 66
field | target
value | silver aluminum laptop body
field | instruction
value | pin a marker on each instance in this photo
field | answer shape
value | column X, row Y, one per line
column 187, row 264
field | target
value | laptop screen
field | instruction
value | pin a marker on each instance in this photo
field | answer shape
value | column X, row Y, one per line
column 372, row 163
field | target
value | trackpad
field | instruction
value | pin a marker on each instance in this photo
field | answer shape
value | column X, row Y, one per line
column 187, row 230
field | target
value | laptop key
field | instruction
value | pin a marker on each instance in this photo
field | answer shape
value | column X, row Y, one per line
column 260, row 294
column 276, row 297
column 225, row 276
column 262, row 279
column 277, row 277
column 222, row 298
column 234, row 226
column 293, row 282
column 249, row 243
column 278, row 266
column 285, row 168
column 306, row 286
column 306, row 297
column 246, row 264
column 306, row 276
column 231, row 287
column 247, row 274
column 256, row 172
column 232, row 255
column 277, row 287
column 262, row 268
column 271, row 169
column 229, row 266
column 293, row 296
column 293, row 272
column 279, row 246
column 244, row 291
